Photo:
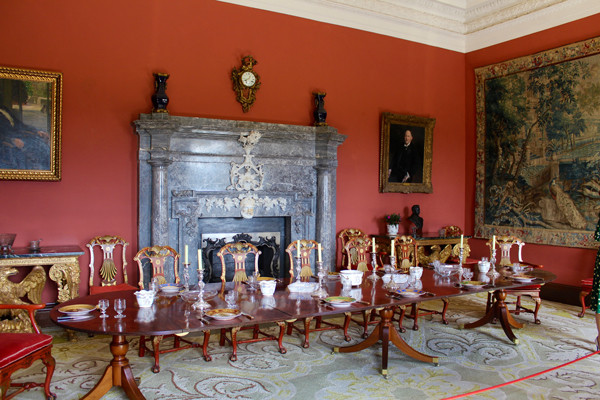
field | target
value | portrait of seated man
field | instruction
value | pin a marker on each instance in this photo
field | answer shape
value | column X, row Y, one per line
column 406, row 154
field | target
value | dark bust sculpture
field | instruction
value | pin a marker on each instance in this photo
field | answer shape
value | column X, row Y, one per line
column 416, row 220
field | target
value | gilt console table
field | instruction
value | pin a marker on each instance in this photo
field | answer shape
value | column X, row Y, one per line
column 431, row 246
column 64, row 270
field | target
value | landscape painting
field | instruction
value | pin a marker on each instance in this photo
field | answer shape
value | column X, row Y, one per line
column 538, row 146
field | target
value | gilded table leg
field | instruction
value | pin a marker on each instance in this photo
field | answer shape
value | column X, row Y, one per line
column 118, row 373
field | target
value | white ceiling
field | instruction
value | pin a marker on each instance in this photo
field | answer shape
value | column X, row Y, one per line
column 458, row 25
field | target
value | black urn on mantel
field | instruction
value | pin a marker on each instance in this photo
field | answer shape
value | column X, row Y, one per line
column 320, row 113
column 159, row 98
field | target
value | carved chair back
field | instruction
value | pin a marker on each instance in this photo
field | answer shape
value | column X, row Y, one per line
column 108, row 269
column 239, row 253
column 305, row 248
column 345, row 236
column 159, row 257
column 359, row 246
column 406, row 252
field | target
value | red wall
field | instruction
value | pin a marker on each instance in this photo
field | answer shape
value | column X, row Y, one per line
column 107, row 56
column 569, row 264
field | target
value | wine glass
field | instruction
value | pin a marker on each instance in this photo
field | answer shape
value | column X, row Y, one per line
column 467, row 274
column 120, row 306
column 103, row 304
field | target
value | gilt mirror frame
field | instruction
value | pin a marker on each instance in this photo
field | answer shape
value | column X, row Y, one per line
column 30, row 124
column 402, row 170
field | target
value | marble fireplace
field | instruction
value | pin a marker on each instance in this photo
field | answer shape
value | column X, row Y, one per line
column 202, row 181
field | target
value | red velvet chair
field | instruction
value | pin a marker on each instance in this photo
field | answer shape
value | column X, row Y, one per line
column 20, row 350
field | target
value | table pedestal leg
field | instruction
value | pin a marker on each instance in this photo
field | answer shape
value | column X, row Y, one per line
column 498, row 311
column 118, row 373
column 386, row 332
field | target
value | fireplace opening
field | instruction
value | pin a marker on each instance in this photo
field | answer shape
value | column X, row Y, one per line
column 267, row 234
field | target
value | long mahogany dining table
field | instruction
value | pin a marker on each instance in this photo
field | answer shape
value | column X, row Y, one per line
column 170, row 314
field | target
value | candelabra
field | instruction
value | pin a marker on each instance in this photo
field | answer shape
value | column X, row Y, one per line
column 373, row 275
column 320, row 292
column 201, row 304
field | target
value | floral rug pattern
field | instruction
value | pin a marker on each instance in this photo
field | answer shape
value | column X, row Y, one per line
column 470, row 360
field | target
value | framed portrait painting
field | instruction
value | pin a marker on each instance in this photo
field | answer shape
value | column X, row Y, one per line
column 30, row 124
column 405, row 153
column 538, row 146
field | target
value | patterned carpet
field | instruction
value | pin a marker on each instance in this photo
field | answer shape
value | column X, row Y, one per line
column 469, row 360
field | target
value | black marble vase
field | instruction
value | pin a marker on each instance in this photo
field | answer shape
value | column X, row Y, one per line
column 159, row 98
column 320, row 113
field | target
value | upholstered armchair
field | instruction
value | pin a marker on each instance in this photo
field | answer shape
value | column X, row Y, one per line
column 21, row 350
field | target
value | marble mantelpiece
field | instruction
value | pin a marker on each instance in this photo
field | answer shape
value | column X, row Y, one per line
column 194, row 168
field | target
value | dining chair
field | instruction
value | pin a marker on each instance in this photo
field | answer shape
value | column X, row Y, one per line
column 345, row 236
column 20, row 350
column 586, row 288
column 240, row 253
column 506, row 243
column 159, row 258
column 407, row 250
column 108, row 270
column 306, row 251
column 305, row 247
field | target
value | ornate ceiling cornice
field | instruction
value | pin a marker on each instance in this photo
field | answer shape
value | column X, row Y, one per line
column 458, row 25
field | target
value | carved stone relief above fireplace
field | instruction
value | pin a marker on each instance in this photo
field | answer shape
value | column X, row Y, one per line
column 191, row 169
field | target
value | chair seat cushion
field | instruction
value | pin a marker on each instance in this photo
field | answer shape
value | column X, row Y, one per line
column 114, row 288
column 587, row 283
column 14, row 346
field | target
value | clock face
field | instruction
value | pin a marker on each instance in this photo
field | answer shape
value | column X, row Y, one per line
column 248, row 79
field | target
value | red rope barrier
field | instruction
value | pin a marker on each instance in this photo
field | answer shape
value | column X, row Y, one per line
column 520, row 379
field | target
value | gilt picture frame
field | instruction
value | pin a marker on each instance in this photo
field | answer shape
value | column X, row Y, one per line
column 406, row 151
column 30, row 124
column 538, row 146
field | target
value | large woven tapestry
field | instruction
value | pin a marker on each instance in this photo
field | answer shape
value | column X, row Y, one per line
column 538, row 146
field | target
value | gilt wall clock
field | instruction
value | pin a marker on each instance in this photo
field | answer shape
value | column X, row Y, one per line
column 245, row 82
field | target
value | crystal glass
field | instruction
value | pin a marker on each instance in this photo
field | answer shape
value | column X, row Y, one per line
column 120, row 305
column 467, row 274
column 103, row 305
column 231, row 299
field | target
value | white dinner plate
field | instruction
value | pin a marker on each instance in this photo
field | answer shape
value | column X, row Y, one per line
column 410, row 292
column 472, row 284
column 77, row 309
column 223, row 314
column 340, row 301
column 523, row 278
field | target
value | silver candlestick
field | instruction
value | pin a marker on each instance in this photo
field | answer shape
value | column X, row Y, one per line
column 298, row 266
column 392, row 285
column 493, row 273
column 201, row 304
column 186, row 277
column 373, row 275
column 320, row 292
column 460, row 264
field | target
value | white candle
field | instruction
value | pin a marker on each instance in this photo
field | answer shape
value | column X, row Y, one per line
column 393, row 245
column 199, row 260
column 493, row 242
column 298, row 248
column 461, row 241
column 373, row 245
column 186, row 254
column 319, row 252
